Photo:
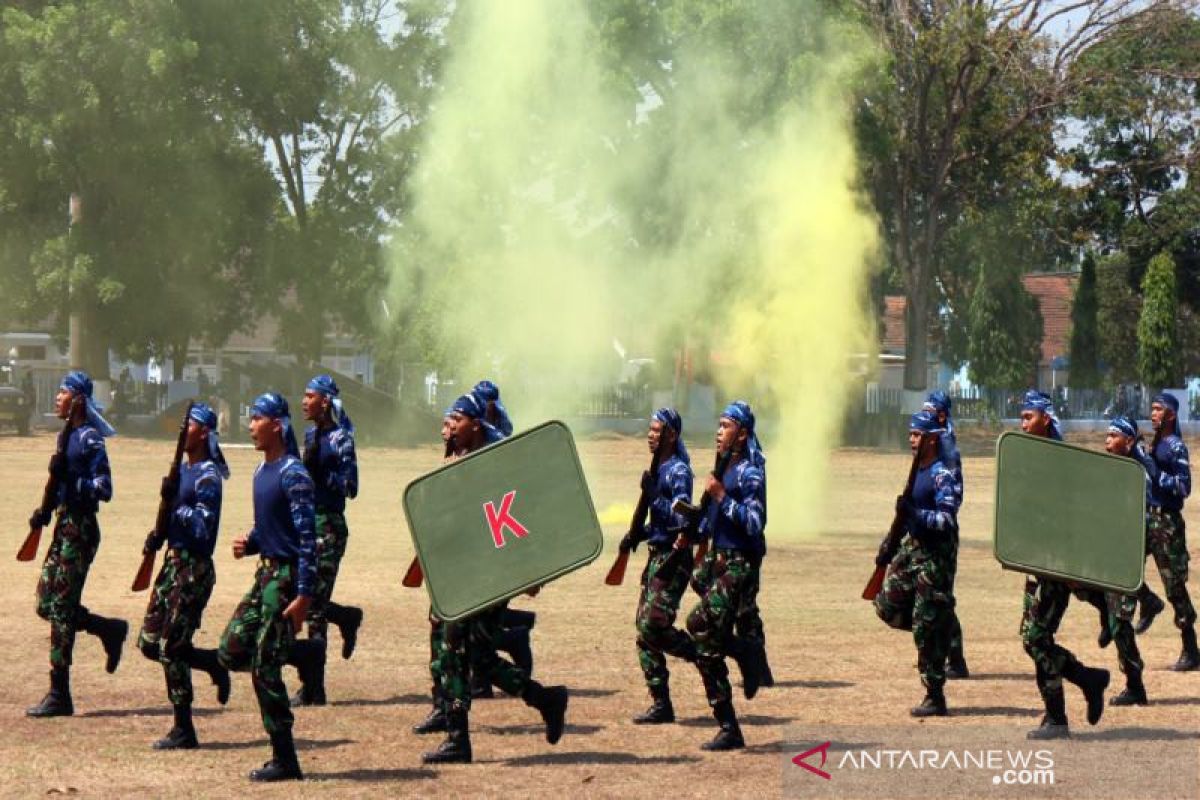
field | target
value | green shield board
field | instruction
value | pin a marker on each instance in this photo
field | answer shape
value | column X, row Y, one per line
column 1066, row 512
column 512, row 516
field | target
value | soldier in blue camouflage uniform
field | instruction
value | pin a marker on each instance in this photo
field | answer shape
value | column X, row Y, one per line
column 736, row 522
column 940, row 404
column 469, row 645
column 1171, row 477
column 84, row 481
column 264, row 625
column 186, row 579
column 665, row 577
column 1046, row 601
column 330, row 459
column 918, row 588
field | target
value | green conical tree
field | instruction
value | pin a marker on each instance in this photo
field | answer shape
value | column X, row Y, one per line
column 1085, row 338
column 1005, row 335
column 1157, row 331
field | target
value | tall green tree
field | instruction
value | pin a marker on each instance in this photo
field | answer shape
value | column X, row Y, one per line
column 1117, row 313
column 1085, row 335
column 1005, row 331
column 1157, row 330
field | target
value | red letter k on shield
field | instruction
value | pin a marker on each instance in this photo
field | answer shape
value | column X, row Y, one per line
column 498, row 521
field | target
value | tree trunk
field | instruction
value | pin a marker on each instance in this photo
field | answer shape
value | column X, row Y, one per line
column 178, row 359
column 916, row 333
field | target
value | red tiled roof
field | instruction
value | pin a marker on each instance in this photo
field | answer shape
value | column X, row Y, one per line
column 1055, row 293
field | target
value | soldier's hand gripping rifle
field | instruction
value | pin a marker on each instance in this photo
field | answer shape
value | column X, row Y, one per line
column 166, row 505
column 415, row 576
column 637, row 525
column 58, row 468
column 694, row 514
column 891, row 542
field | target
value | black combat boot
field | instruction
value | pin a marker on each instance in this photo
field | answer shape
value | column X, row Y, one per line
column 551, row 701
column 1150, row 606
column 518, row 618
column 308, row 657
column 1092, row 682
column 767, row 679
column 112, row 634
column 456, row 749
column 661, row 712
column 730, row 735
column 1134, row 694
column 515, row 642
column 1189, row 659
column 348, row 620
column 436, row 721
column 182, row 735
column 283, row 766
column 956, row 666
column 934, row 704
column 57, row 702
column 207, row 661
column 1054, row 723
column 749, row 656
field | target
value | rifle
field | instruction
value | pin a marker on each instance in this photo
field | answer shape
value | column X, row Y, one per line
column 616, row 573
column 891, row 542
column 694, row 514
column 162, row 522
column 29, row 547
column 415, row 576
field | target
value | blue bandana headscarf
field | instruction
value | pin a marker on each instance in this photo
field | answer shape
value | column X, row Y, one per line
column 488, row 392
column 925, row 421
column 325, row 385
column 670, row 417
column 203, row 414
column 1124, row 426
column 470, row 406
column 739, row 411
column 1168, row 400
column 273, row 406
column 79, row 384
column 1040, row 401
column 939, row 402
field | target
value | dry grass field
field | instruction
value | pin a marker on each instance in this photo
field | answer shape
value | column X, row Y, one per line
column 835, row 663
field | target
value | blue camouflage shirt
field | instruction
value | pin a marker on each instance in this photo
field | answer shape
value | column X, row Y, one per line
column 285, row 518
column 674, row 483
column 739, row 521
column 335, row 467
column 936, row 496
column 1173, row 481
column 88, row 480
column 197, row 513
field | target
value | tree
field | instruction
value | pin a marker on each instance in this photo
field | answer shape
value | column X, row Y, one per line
column 1005, row 331
column 1157, row 332
column 1085, row 344
column 963, row 82
column 1117, row 312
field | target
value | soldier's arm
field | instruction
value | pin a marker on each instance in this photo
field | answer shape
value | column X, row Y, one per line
column 679, row 482
column 96, row 482
column 200, row 519
column 750, row 513
column 298, row 488
column 944, row 516
column 345, row 477
column 1176, row 480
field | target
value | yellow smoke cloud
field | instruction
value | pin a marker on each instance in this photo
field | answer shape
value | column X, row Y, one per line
column 531, row 179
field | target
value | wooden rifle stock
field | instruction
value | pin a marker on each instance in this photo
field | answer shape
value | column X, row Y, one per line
column 162, row 522
column 415, row 576
column 29, row 547
column 616, row 573
column 896, row 532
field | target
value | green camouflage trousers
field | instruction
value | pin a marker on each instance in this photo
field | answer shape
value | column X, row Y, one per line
column 658, row 604
column 469, row 646
column 1120, row 625
column 729, row 576
column 258, row 638
column 437, row 636
column 918, row 596
column 332, row 534
column 1046, row 601
column 60, row 588
column 1167, row 541
column 181, row 591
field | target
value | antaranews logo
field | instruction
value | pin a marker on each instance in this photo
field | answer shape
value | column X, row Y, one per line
column 1008, row 767
column 823, row 749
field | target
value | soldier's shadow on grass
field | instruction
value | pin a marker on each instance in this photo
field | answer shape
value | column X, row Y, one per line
column 373, row 775
column 301, row 744
column 796, row 748
column 539, row 729
column 752, row 720
column 1000, row 676
column 798, row 684
column 395, row 700
column 1175, row 701
column 152, row 711
column 633, row 759
column 1135, row 735
column 592, row 692
column 993, row 711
